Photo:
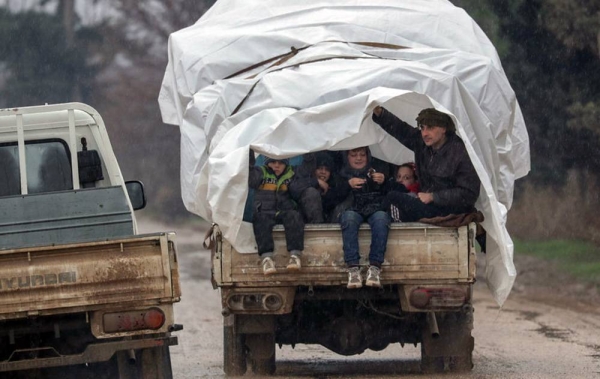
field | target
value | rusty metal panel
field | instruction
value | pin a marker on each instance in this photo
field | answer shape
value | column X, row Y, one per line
column 64, row 217
column 83, row 277
column 414, row 252
column 99, row 352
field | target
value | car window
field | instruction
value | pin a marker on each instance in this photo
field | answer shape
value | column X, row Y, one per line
column 48, row 168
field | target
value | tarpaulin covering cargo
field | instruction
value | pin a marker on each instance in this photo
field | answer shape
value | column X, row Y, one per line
column 286, row 78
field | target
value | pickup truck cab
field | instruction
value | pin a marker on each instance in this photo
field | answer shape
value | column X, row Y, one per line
column 78, row 286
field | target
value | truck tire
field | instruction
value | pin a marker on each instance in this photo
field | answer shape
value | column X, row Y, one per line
column 234, row 352
column 262, row 353
column 453, row 349
column 154, row 363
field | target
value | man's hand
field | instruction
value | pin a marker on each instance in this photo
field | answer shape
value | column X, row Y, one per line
column 356, row 182
column 377, row 111
column 425, row 197
column 378, row 177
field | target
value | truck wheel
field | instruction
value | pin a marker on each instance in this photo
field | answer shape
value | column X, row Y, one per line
column 262, row 352
column 234, row 352
column 452, row 350
column 154, row 363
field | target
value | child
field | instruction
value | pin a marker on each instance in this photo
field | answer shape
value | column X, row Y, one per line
column 273, row 204
column 404, row 182
column 407, row 176
column 368, row 188
column 317, row 187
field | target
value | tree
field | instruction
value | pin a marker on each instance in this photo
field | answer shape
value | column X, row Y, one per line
column 551, row 75
column 42, row 66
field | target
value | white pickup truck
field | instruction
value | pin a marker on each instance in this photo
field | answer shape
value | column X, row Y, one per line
column 427, row 280
column 78, row 286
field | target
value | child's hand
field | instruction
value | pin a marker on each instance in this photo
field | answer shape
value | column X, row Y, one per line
column 378, row 177
column 324, row 186
column 356, row 182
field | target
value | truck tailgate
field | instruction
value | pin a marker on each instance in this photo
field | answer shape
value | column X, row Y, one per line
column 87, row 276
column 415, row 252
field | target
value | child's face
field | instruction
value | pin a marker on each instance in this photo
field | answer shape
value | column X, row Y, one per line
column 405, row 176
column 323, row 173
column 357, row 158
column 277, row 166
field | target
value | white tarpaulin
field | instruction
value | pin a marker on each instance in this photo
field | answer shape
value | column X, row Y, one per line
column 285, row 79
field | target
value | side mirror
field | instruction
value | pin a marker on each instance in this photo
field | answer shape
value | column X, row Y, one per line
column 135, row 190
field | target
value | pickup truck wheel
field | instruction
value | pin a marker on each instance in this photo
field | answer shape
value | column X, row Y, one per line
column 234, row 352
column 262, row 353
column 452, row 350
column 154, row 363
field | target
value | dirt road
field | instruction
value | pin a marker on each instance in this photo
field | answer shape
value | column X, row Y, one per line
column 524, row 339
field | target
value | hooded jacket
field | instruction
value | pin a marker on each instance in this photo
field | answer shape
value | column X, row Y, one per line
column 370, row 197
column 271, row 191
column 305, row 178
column 448, row 172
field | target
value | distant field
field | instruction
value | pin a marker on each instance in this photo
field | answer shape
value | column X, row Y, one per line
column 579, row 258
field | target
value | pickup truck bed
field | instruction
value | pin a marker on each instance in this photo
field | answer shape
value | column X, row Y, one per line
column 415, row 251
column 81, row 277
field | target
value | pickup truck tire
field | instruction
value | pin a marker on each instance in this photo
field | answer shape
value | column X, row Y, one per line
column 453, row 349
column 262, row 353
column 154, row 363
column 234, row 352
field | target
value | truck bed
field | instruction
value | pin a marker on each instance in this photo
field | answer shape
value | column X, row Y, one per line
column 139, row 270
column 415, row 252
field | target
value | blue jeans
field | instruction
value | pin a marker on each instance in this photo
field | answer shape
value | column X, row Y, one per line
column 380, row 226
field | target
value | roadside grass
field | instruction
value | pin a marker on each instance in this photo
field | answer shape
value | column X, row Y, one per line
column 579, row 258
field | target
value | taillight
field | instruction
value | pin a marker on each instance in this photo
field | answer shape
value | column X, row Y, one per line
column 436, row 298
column 254, row 302
column 153, row 318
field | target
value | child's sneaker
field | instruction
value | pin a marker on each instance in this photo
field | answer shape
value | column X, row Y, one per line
column 373, row 277
column 268, row 266
column 294, row 264
column 354, row 277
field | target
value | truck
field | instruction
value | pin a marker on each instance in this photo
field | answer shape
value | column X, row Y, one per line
column 285, row 79
column 82, row 294
column 425, row 298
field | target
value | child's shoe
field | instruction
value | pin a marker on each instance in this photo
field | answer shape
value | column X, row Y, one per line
column 354, row 277
column 373, row 277
column 268, row 266
column 295, row 264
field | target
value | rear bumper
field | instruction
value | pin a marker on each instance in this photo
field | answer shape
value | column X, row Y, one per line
column 98, row 352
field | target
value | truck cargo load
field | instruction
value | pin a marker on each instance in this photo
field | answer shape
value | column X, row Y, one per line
column 284, row 79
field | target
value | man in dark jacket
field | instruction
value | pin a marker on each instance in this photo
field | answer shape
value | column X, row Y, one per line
column 273, row 204
column 449, row 183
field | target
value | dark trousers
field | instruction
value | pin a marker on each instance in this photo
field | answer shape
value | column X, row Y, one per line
column 263, row 223
column 311, row 205
column 412, row 208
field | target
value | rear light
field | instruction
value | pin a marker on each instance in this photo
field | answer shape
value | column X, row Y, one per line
column 152, row 319
column 254, row 302
column 436, row 298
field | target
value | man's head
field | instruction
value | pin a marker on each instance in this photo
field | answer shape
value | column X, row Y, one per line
column 277, row 165
column 435, row 127
column 358, row 158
